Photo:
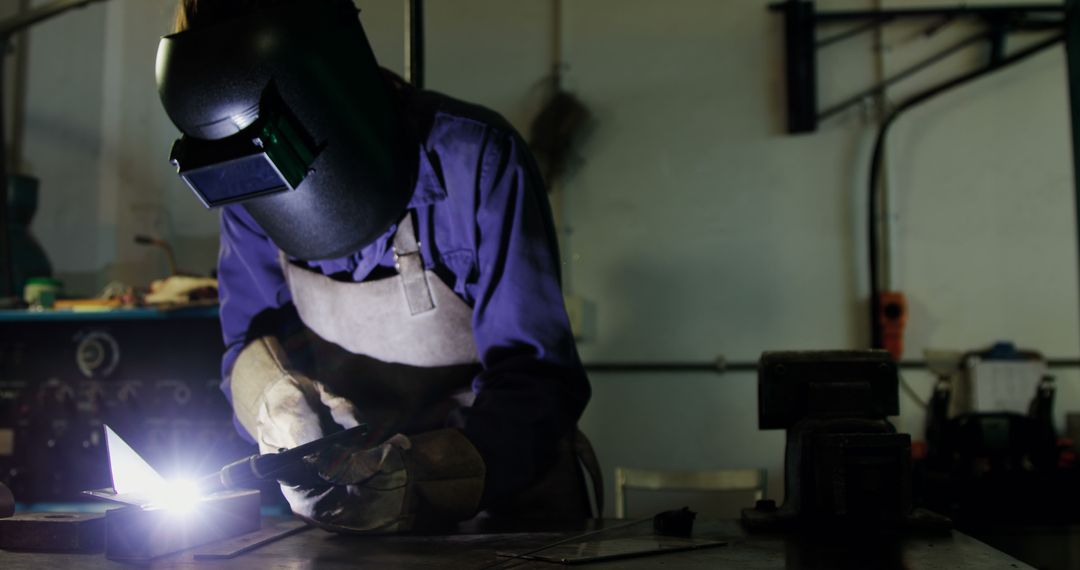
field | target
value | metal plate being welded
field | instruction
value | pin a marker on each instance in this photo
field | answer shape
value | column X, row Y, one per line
column 140, row 534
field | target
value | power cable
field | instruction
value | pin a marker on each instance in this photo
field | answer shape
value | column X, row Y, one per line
column 879, row 145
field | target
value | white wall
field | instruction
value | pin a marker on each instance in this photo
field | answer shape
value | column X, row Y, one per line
column 984, row 218
column 98, row 140
column 62, row 143
column 695, row 227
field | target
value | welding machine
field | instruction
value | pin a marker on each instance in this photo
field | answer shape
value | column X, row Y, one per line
column 153, row 375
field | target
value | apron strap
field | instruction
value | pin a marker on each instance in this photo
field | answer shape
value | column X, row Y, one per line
column 410, row 266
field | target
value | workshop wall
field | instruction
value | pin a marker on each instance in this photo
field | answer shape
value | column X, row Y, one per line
column 97, row 138
column 62, row 142
column 980, row 184
column 13, row 98
column 693, row 227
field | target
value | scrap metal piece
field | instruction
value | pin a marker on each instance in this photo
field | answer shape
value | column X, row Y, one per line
column 140, row 534
column 233, row 547
column 53, row 532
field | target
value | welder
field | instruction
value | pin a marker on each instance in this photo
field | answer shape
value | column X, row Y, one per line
column 387, row 257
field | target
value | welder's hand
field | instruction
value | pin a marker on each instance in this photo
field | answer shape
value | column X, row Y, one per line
column 403, row 484
column 342, row 465
column 296, row 409
column 283, row 409
column 280, row 407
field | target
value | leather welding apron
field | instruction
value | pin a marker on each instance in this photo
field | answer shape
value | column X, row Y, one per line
column 401, row 348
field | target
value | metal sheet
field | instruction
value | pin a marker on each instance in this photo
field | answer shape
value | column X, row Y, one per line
column 53, row 532
column 588, row 552
column 233, row 547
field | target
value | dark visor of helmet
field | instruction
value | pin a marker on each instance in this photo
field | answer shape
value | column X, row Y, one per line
column 272, row 154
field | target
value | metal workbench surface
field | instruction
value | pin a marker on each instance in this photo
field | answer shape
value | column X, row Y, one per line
column 475, row 547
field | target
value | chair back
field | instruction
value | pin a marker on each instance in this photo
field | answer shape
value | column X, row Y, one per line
column 755, row 480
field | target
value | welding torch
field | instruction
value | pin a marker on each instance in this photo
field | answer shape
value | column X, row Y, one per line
column 252, row 471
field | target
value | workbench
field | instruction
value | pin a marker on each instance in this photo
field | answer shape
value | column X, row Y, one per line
column 474, row 546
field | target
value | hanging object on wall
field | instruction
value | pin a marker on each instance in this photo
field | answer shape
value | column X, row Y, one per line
column 28, row 259
column 562, row 120
column 892, row 317
column 556, row 130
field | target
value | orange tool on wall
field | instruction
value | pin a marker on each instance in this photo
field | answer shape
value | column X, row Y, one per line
column 892, row 317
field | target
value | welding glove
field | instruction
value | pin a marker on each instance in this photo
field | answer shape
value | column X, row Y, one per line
column 402, row 484
column 280, row 407
column 406, row 483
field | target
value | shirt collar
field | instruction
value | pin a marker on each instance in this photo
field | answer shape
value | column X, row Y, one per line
column 429, row 183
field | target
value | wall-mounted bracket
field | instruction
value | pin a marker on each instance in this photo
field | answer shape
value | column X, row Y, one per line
column 802, row 20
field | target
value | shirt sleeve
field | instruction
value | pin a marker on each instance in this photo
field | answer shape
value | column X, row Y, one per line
column 533, row 387
column 251, row 286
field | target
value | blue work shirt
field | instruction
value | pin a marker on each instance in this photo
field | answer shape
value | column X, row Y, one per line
column 485, row 228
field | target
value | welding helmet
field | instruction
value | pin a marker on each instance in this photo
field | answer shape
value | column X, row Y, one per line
column 285, row 111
